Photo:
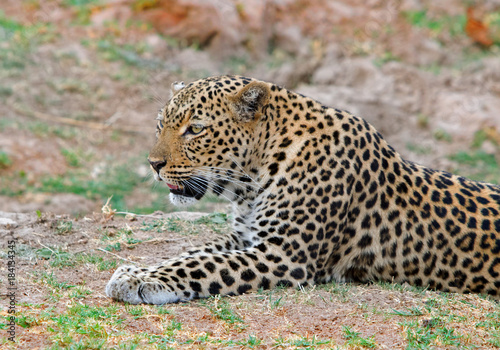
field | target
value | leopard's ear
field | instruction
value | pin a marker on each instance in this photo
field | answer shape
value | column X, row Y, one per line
column 176, row 87
column 247, row 104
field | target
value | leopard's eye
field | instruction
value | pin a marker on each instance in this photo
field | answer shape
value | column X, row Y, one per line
column 195, row 129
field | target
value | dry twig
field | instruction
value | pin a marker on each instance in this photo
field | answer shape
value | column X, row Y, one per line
column 80, row 123
column 115, row 255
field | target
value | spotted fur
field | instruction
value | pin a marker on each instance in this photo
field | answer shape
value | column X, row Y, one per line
column 318, row 195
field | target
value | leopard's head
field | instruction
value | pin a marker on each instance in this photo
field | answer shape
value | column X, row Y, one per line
column 205, row 135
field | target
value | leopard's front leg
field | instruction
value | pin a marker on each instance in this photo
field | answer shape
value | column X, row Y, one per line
column 203, row 275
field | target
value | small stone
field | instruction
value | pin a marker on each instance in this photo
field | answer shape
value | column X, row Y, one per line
column 430, row 322
column 489, row 147
column 131, row 217
column 8, row 223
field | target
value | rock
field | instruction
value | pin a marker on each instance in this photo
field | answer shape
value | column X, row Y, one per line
column 75, row 50
column 460, row 114
column 50, row 12
column 114, row 12
column 184, row 215
column 288, row 38
column 219, row 26
column 429, row 52
column 7, row 223
column 290, row 74
column 230, row 28
column 143, row 170
column 489, row 147
column 406, row 86
column 197, row 61
column 356, row 72
column 10, row 220
column 410, row 5
column 156, row 43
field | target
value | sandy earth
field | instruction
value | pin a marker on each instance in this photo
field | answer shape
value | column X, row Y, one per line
column 321, row 313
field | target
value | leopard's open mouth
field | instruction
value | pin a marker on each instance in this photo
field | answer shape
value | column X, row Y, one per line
column 194, row 187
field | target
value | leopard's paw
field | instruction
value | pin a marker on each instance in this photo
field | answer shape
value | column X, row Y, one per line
column 136, row 286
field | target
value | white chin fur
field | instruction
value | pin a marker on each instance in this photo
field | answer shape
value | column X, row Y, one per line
column 181, row 201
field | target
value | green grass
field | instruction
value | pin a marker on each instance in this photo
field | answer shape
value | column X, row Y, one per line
column 475, row 158
column 79, row 326
column 115, row 181
column 80, row 2
column 82, row 10
column 408, row 312
column 340, row 290
column 387, row 56
column 170, row 224
column 277, row 302
column 100, row 263
column 5, row 91
column 5, row 160
column 483, row 135
column 9, row 27
column 420, row 336
column 392, row 286
column 222, row 310
column 354, row 338
column 80, row 292
column 72, row 157
column 77, row 321
column 418, row 149
column 492, row 327
column 302, row 343
column 58, row 258
column 434, row 324
column 45, row 130
column 217, row 222
column 117, row 247
column 64, row 227
column 51, row 280
column 19, row 41
column 131, row 54
column 478, row 165
column 135, row 310
column 454, row 25
column 442, row 135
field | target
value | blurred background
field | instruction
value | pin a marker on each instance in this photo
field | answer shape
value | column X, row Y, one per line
column 81, row 82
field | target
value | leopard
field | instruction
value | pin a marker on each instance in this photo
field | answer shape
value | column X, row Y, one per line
column 318, row 195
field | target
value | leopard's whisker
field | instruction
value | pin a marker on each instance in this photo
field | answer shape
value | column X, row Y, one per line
column 229, row 179
column 241, row 168
column 194, row 185
column 227, row 171
column 209, row 184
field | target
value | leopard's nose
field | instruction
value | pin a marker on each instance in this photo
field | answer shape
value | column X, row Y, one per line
column 158, row 165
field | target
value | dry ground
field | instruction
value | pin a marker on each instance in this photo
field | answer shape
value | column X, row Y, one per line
column 62, row 266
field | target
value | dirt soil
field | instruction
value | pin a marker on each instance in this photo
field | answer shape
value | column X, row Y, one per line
column 319, row 314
